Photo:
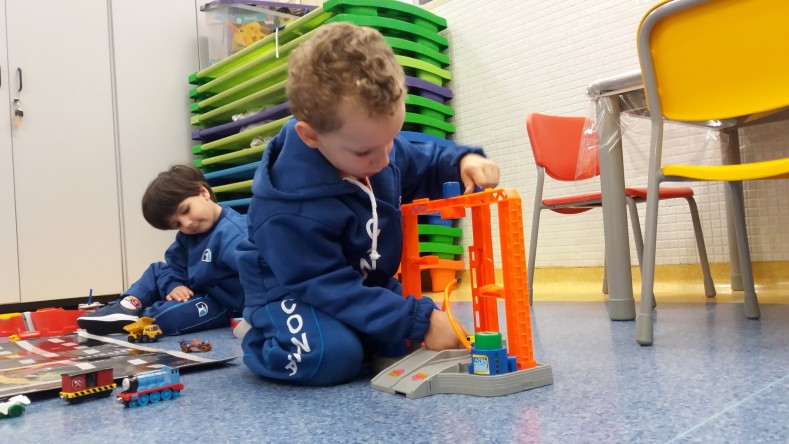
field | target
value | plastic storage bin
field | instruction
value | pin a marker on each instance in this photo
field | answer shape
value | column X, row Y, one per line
column 234, row 25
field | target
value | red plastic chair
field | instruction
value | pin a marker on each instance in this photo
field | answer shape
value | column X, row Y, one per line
column 556, row 142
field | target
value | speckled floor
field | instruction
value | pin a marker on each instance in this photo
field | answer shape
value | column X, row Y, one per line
column 712, row 376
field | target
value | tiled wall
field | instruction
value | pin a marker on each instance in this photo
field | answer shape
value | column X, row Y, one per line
column 513, row 57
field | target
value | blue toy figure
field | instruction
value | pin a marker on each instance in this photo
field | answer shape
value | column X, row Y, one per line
column 142, row 388
column 488, row 357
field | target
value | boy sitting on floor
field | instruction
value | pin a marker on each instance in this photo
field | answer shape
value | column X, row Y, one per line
column 198, row 287
column 325, row 216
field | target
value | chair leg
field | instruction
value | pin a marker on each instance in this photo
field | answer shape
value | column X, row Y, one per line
column 638, row 237
column 636, row 224
column 709, row 286
column 750, row 302
column 535, row 227
column 644, row 327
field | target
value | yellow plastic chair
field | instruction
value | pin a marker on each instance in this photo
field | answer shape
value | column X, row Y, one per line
column 687, row 78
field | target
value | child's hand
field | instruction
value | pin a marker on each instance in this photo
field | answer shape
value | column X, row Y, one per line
column 476, row 170
column 440, row 335
column 180, row 293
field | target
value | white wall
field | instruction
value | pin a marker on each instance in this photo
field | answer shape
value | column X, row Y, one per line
column 513, row 57
column 151, row 71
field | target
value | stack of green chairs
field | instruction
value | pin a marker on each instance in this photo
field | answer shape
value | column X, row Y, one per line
column 413, row 34
column 240, row 101
column 248, row 88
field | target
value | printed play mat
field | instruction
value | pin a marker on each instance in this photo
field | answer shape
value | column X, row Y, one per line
column 35, row 365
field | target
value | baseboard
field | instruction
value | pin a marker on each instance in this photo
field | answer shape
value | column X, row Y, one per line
column 674, row 283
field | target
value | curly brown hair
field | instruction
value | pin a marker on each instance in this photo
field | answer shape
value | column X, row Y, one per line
column 168, row 190
column 343, row 61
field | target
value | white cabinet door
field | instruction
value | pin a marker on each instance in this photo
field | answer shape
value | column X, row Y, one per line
column 151, row 71
column 65, row 165
column 9, row 269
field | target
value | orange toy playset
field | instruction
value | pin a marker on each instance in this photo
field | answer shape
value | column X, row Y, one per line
column 488, row 369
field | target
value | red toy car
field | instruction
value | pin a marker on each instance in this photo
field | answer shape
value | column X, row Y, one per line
column 194, row 345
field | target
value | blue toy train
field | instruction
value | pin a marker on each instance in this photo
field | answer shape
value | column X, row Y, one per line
column 151, row 387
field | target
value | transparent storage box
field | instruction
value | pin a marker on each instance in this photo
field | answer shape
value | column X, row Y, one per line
column 234, row 25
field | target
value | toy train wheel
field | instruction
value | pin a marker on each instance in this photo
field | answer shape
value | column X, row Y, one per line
column 132, row 404
column 155, row 397
column 167, row 394
column 143, row 399
column 176, row 393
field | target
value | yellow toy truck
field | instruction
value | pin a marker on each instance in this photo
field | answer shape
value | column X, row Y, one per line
column 144, row 330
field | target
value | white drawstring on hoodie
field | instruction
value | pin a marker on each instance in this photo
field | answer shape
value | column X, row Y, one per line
column 373, row 233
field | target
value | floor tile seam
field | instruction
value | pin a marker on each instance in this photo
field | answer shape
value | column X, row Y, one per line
column 727, row 409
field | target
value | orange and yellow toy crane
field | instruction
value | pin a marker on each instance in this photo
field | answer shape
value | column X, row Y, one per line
column 426, row 372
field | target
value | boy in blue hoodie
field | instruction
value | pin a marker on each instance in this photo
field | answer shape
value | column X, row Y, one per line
column 198, row 287
column 325, row 220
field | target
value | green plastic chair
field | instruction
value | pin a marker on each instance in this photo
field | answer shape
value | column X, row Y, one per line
column 428, row 108
column 254, row 68
column 273, row 95
column 427, row 125
column 439, row 234
column 234, row 158
column 390, row 9
column 417, row 51
column 236, row 187
column 424, row 70
column 240, row 140
column 396, row 28
column 277, row 74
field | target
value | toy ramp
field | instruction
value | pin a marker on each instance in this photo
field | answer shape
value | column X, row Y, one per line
column 425, row 372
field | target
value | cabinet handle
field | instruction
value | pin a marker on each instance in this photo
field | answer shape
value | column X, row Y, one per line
column 19, row 72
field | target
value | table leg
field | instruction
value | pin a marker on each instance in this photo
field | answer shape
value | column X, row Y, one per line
column 731, row 155
column 621, row 306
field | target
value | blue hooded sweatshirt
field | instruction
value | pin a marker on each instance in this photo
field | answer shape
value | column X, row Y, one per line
column 315, row 241
column 208, row 263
